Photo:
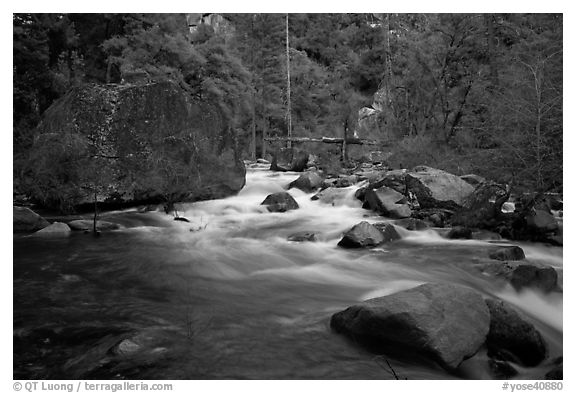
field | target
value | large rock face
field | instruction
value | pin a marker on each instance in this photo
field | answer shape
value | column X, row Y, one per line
column 25, row 220
column 133, row 144
column 436, row 188
column 447, row 322
column 388, row 202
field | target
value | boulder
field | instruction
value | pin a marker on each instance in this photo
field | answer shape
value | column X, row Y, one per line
column 280, row 202
column 330, row 195
column 340, row 182
column 307, row 182
column 522, row 274
column 88, row 225
column 436, row 188
column 412, row 224
column 158, row 140
column 541, row 221
column 388, row 231
column 394, row 179
column 302, row 237
column 299, row 161
column 360, row 193
column 55, row 229
column 511, row 337
column 360, row 235
column 388, row 202
column 459, row 233
column 447, row 322
column 507, row 253
column 25, row 220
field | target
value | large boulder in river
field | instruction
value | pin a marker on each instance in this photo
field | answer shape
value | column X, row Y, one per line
column 55, row 229
column 388, row 202
column 280, row 202
column 435, row 188
column 307, row 182
column 522, row 274
column 447, row 322
column 138, row 143
column 25, row 220
column 511, row 337
column 360, row 235
column 507, row 253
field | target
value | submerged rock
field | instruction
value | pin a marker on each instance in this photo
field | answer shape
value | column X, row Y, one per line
column 363, row 234
column 307, row 182
column 302, row 237
column 436, row 188
column 447, row 322
column 280, row 202
column 88, row 225
column 507, row 253
column 522, row 274
column 25, row 220
column 511, row 337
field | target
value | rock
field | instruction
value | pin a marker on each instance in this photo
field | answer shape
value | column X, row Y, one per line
column 521, row 274
column 299, row 161
column 145, row 127
column 395, row 179
column 472, row 179
column 56, row 229
column 302, row 237
column 183, row 219
column 437, row 220
column 412, row 224
column 388, row 202
column 88, row 225
column 360, row 193
column 511, row 337
column 331, row 195
column 388, row 231
column 363, row 234
column 483, row 207
column 486, row 235
column 307, row 182
column 436, row 188
column 25, row 220
column 340, row 182
column 447, row 322
column 507, row 253
column 280, row 202
column 459, row 233
column 126, row 347
column 262, row 161
column 541, row 221
column 501, row 369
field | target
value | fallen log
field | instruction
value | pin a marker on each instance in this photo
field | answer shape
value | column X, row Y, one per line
column 349, row 141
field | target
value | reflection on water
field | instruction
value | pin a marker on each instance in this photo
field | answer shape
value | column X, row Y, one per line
column 227, row 296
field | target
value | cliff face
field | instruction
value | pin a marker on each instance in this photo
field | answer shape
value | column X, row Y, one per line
column 130, row 144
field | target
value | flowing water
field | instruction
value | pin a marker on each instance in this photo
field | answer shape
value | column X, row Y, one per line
column 227, row 296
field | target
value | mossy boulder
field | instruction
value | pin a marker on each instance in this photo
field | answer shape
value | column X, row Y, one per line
column 132, row 144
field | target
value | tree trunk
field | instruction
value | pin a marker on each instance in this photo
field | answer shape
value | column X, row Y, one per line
column 264, row 132
column 289, row 108
column 95, row 211
column 488, row 18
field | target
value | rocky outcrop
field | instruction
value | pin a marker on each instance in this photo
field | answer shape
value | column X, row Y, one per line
column 388, row 202
column 507, row 253
column 307, row 182
column 280, row 202
column 511, row 337
column 447, row 322
column 133, row 144
column 360, row 235
column 25, row 220
column 437, row 189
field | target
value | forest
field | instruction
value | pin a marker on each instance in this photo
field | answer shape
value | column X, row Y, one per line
column 467, row 93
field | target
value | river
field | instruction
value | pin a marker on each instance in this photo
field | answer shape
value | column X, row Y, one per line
column 227, row 296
